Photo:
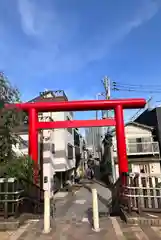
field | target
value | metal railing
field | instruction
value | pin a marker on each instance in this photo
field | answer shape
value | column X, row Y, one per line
column 140, row 148
column 18, row 197
column 143, row 148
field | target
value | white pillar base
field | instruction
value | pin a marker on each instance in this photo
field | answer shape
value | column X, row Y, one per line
column 96, row 230
column 47, row 228
column 95, row 210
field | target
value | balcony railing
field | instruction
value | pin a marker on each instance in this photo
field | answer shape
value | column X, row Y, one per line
column 142, row 148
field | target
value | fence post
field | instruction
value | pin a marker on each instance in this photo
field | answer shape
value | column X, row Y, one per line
column 46, row 212
column 95, row 211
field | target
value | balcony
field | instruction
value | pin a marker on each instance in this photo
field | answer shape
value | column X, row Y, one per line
column 143, row 148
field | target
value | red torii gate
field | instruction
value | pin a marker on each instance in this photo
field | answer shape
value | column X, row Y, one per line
column 87, row 105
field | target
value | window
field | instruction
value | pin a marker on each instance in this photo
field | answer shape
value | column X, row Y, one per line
column 70, row 151
column 69, row 129
column 144, row 168
column 53, row 148
column 76, row 138
column 139, row 140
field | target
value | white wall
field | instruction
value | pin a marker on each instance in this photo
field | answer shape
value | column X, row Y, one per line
column 132, row 132
column 117, row 171
column 69, row 138
column 48, row 172
column 154, row 167
column 17, row 149
column 24, row 151
column 60, row 146
column 59, row 137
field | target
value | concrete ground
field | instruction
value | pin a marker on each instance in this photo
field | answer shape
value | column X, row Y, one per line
column 74, row 221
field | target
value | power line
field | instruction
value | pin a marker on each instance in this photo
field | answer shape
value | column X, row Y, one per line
column 135, row 85
column 107, row 88
column 136, row 88
column 141, row 110
column 156, row 89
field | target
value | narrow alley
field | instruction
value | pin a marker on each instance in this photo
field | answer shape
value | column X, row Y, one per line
column 74, row 221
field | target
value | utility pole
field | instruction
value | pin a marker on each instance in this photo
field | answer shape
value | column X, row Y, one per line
column 98, row 134
column 106, row 94
column 106, row 84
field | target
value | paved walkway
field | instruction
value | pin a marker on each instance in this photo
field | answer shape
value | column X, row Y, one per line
column 111, row 228
column 73, row 222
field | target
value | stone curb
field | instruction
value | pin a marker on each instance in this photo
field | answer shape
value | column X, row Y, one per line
column 142, row 220
column 100, row 183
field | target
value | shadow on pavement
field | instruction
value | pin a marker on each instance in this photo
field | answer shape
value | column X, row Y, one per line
column 112, row 204
column 106, row 202
column 90, row 216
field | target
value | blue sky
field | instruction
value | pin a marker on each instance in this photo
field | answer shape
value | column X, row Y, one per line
column 71, row 45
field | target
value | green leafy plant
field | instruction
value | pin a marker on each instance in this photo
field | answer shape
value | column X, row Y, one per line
column 9, row 119
column 21, row 167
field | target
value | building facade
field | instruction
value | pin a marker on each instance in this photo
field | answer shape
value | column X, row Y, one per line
column 152, row 117
column 56, row 146
column 142, row 150
column 93, row 138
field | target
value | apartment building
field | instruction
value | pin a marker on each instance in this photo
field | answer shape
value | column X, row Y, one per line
column 142, row 150
column 56, row 146
column 79, row 144
column 152, row 118
column 93, row 138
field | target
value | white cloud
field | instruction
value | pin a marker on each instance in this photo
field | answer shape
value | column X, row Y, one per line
column 28, row 13
column 56, row 31
column 37, row 21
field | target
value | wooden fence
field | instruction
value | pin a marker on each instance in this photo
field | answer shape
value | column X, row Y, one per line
column 142, row 192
